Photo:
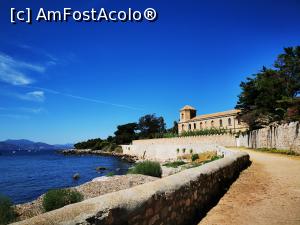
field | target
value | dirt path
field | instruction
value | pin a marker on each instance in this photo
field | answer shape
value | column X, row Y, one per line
column 268, row 192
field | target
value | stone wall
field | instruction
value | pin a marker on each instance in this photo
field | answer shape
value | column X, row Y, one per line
column 177, row 199
column 166, row 148
column 286, row 136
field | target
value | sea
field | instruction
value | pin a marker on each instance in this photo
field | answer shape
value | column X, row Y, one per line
column 24, row 176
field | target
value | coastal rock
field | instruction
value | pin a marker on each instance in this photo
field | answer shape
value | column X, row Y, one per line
column 76, row 176
column 127, row 158
column 100, row 168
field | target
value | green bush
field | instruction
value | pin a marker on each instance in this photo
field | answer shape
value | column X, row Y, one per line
column 7, row 211
column 174, row 164
column 110, row 174
column 55, row 199
column 149, row 168
column 274, row 150
column 195, row 157
column 183, row 150
column 212, row 131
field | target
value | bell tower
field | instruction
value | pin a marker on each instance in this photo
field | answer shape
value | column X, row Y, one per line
column 187, row 113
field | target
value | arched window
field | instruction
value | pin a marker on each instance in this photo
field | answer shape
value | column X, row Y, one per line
column 221, row 123
column 212, row 123
column 229, row 121
column 182, row 126
column 190, row 127
column 201, row 125
column 239, row 121
column 182, row 116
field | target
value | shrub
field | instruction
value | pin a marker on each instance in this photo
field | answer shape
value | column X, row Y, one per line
column 110, row 174
column 191, row 151
column 183, row 150
column 279, row 151
column 149, row 168
column 177, row 150
column 7, row 211
column 212, row 131
column 174, row 164
column 195, row 157
column 55, row 199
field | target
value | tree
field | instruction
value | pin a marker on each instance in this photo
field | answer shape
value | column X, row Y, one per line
column 151, row 126
column 271, row 94
column 126, row 133
column 174, row 129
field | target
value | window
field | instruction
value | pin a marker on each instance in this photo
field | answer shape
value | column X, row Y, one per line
column 201, row 125
column 239, row 121
column 182, row 116
column 182, row 126
column 229, row 121
column 190, row 127
column 194, row 126
column 212, row 123
column 221, row 123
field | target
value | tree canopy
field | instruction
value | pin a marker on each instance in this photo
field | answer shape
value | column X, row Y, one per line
column 151, row 126
column 126, row 133
column 273, row 93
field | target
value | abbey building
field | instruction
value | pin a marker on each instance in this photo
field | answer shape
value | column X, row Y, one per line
column 189, row 121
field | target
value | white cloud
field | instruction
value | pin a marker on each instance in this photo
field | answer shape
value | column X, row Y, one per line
column 13, row 71
column 38, row 96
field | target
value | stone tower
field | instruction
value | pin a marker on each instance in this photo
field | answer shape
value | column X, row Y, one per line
column 187, row 113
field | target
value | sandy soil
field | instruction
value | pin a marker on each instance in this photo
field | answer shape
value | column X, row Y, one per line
column 268, row 192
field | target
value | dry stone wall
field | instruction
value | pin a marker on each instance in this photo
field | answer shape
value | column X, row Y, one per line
column 286, row 136
column 176, row 200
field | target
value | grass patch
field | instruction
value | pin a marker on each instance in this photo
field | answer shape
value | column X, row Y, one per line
column 274, row 150
column 7, row 211
column 148, row 168
column 55, row 199
column 195, row 157
column 200, row 163
column 174, row 164
column 110, row 174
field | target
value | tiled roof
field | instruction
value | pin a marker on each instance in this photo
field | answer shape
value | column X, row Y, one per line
column 187, row 107
column 214, row 115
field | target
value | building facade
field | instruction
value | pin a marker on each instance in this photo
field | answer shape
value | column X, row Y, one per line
column 189, row 121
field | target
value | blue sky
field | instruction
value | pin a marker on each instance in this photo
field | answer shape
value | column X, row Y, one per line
column 66, row 82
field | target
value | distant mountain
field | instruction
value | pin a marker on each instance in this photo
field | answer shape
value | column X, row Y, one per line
column 23, row 144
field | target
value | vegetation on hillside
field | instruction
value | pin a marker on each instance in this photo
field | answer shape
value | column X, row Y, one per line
column 148, row 126
column 272, row 95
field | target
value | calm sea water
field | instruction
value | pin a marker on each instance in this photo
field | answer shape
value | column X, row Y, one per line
column 25, row 176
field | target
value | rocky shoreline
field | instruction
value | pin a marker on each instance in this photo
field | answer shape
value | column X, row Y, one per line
column 96, row 187
column 127, row 158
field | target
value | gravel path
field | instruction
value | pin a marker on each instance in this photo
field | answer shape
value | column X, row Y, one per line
column 268, row 192
column 97, row 187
